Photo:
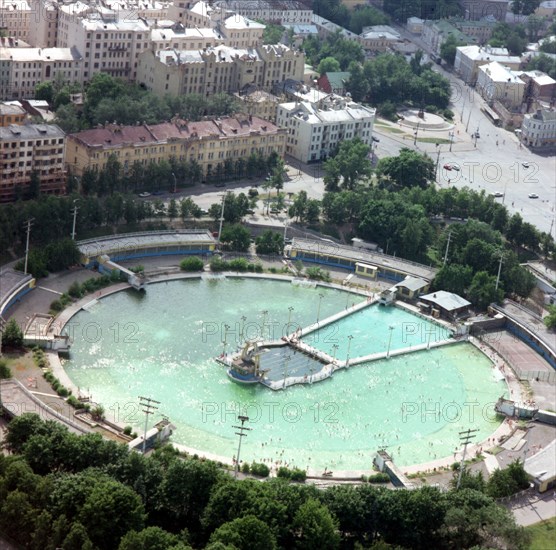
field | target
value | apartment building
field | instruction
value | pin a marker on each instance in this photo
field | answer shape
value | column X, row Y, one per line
column 240, row 32
column 497, row 82
column 538, row 130
column 380, row 38
column 259, row 103
column 435, row 34
column 219, row 69
column 191, row 14
column 110, row 41
column 178, row 37
column 23, row 68
column 470, row 58
column 315, row 130
column 208, row 142
column 271, row 11
column 478, row 9
column 31, row 148
column 16, row 17
column 12, row 113
column 481, row 30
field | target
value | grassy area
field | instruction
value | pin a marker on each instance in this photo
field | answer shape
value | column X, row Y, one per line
column 393, row 130
column 433, row 140
column 543, row 533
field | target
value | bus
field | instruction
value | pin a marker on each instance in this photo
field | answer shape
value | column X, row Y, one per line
column 491, row 115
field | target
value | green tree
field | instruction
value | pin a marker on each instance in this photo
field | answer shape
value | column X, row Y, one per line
column 357, row 84
column 236, row 237
column 448, row 49
column 150, row 538
column 550, row 319
column 408, row 169
column 12, row 335
column 193, row 263
column 454, row 278
column 246, row 533
column 5, row 371
column 328, row 65
column 315, row 527
column 44, row 91
column 272, row 33
column 352, row 161
column 270, row 242
column 77, row 538
column 34, row 185
column 524, row 7
column 482, row 291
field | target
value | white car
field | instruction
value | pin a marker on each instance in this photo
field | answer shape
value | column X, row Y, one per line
column 497, row 194
column 525, row 164
column 533, row 196
column 144, row 194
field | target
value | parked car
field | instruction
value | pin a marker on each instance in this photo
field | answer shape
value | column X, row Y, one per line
column 144, row 194
column 525, row 164
column 497, row 194
column 447, row 167
column 533, row 196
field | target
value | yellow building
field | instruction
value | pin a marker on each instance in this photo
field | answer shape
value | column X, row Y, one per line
column 11, row 114
column 208, row 142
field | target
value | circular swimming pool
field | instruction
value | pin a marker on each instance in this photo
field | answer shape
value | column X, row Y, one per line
column 162, row 344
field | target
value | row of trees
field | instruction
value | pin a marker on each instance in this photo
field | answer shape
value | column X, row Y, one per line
column 110, row 99
column 60, row 490
column 354, row 20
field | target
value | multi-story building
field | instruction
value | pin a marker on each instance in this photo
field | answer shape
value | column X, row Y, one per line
column 435, row 34
column 15, row 18
column 496, row 82
column 178, row 37
column 12, row 113
column 380, row 38
column 219, row 69
column 270, row 11
column 481, row 30
column 540, row 86
column 470, row 58
column 109, row 41
column 44, row 23
column 334, row 82
column 240, row 32
column 478, row 9
column 31, row 148
column 27, row 67
column 191, row 14
column 315, row 130
column 209, row 142
column 538, row 130
column 259, row 103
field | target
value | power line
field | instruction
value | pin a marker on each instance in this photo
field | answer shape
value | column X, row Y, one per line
column 148, row 408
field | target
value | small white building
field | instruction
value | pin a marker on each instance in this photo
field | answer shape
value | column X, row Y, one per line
column 316, row 129
column 496, row 82
column 539, row 129
column 415, row 25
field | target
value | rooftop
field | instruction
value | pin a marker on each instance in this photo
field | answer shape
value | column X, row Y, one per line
column 239, row 22
column 542, row 466
column 479, row 53
column 30, row 131
column 8, row 109
column 498, row 73
column 40, row 54
column 446, row 300
column 413, row 283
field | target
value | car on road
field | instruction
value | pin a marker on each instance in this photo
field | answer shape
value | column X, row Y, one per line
column 157, row 193
column 376, row 139
column 452, row 166
column 274, row 211
column 533, row 196
column 497, row 194
column 144, row 194
column 525, row 164
column 447, row 167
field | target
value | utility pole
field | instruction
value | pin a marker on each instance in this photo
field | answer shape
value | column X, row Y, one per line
column 29, row 224
column 241, row 434
column 74, row 219
column 499, row 270
column 221, row 218
column 148, row 408
column 465, row 437
column 447, row 247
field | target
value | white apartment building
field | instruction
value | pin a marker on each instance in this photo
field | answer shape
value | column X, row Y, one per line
column 240, row 32
column 16, row 17
column 270, row 11
column 31, row 148
column 315, row 130
column 539, row 129
column 496, row 82
column 26, row 67
column 109, row 41
column 470, row 58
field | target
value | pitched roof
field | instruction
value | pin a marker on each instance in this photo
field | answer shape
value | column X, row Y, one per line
column 337, row 80
column 446, row 300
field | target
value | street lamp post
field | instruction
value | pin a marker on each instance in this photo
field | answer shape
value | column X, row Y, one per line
column 74, row 219
column 221, row 218
column 321, row 296
column 290, row 309
column 391, row 329
column 175, row 182
column 451, row 134
column 350, row 338
column 415, row 134
column 265, row 313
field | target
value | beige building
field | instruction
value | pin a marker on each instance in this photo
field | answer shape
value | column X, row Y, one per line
column 259, row 103
column 219, row 69
column 496, row 82
column 27, row 67
column 209, row 143
column 538, row 130
column 109, row 41
column 178, row 37
column 270, row 11
column 191, row 14
column 470, row 58
column 27, row 149
column 15, row 18
column 12, row 113
column 380, row 38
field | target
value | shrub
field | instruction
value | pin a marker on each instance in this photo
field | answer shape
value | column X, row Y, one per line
column 194, row 263
column 12, row 335
column 137, row 269
column 317, row 274
column 253, row 193
column 128, row 430
column 239, row 264
column 298, row 475
column 218, row 264
column 379, row 478
column 5, row 371
column 448, row 114
column 62, row 391
column 260, row 469
column 75, row 290
column 245, row 468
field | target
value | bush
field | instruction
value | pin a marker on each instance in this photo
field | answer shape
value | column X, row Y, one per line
column 137, row 269
column 5, row 371
column 56, row 306
column 379, row 478
column 317, row 274
column 12, row 335
column 245, row 468
column 128, row 430
column 448, row 114
column 295, row 474
column 75, row 290
column 239, row 264
column 253, row 193
column 260, row 469
column 218, row 264
column 194, row 263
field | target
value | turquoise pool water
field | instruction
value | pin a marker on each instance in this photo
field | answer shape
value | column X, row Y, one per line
column 162, row 345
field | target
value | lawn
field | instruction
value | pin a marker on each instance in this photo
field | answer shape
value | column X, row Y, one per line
column 543, row 533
